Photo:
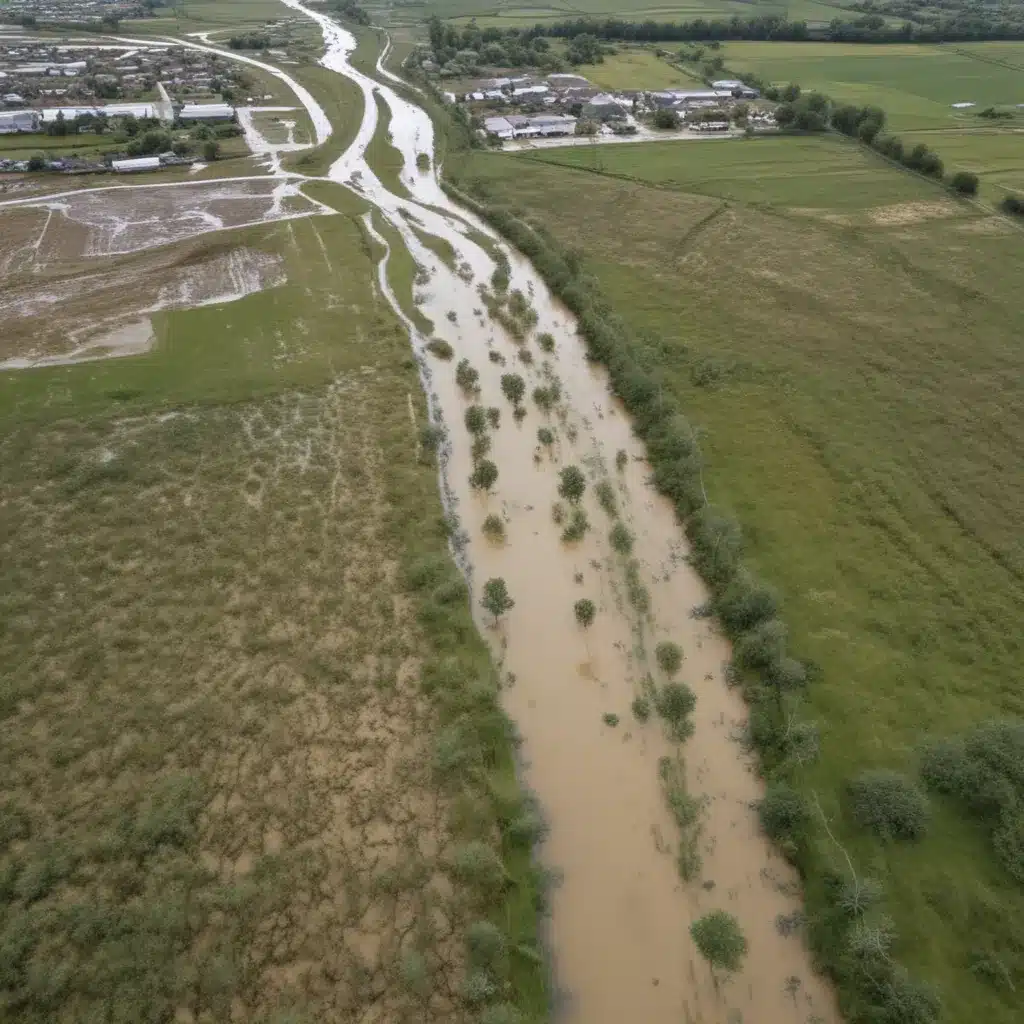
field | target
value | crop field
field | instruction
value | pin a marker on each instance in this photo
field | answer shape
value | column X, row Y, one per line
column 829, row 174
column 850, row 358
column 515, row 12
column 916, row 85
column 231, row 634
column 637, row 67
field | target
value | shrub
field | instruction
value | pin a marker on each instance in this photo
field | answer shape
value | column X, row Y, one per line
column 513, row 387
column 606, row 497
column 422, row 162
column 674, row 702
column 669, row 657
column 546, row 341
column 784, row 813
column 719, row 940
column 746, row 603
column 577, row 527
column 762, row 646
column 494, row 417
column 610, row 718
column 571, row 483
column 440, row 348
column 621, row 459
column 484, row 477
column 641, row 708
column 965, row 183
column 546, row 436
column 466, row 376
column 888, row 804
column 494, row 528
column 480, row 447
column 476, row 420
column 585, row 610
column 1013, row 205
column 485, row 944
column 621, row 539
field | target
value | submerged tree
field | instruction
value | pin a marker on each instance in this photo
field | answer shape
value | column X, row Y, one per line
column 571, row 483
column 585, row 610
column 720, row 940
column 496, row 598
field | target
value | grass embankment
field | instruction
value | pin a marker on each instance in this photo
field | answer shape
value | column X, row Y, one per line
column 849, row 358
column 383, row 157
column 253, row 761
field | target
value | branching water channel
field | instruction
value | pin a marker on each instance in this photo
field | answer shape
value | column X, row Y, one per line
column 619, row 934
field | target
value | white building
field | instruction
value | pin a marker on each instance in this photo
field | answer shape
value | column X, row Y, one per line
column 500, row 127
column 207, row 112
column 19, row 121
column 140, row 163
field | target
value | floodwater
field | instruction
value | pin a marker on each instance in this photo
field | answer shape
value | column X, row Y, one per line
column 619, row 930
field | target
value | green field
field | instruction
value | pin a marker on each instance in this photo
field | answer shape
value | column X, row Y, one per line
column 827, row 173
column 850, row 355
column 636, row 67
column 916, row 85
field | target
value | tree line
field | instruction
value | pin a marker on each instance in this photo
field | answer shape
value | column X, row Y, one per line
column 869, row 28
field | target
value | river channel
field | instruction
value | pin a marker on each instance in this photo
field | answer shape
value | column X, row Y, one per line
column 618, row 935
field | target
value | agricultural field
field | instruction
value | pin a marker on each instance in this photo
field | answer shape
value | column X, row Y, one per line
column 916, row 85
column 846, row 345
column 637, row 67
column 231, row 635
column 515, row 12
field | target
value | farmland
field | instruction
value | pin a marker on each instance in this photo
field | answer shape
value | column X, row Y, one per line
column 844, row 342
column 916, row 85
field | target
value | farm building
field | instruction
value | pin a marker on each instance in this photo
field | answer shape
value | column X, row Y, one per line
column 736, row 87
column 140, row 163
column 206, row 112
column 499, row 127
column 19, row 121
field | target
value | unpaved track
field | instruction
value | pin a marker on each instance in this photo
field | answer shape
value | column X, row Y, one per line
column 619, row 931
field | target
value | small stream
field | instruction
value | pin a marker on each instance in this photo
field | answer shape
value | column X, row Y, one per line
column 619, row 931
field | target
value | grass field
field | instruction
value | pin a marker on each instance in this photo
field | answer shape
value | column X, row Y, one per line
column 827, row 173
column 850, row 357
column 231, row 635
column 916, row 85
column 638, row 68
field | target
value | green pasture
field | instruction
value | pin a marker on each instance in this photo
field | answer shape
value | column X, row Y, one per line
column 828, row 173
column 916, row 85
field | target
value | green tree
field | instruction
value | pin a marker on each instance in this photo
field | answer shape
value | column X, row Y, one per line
column 476, row 419
column 513, row 387
column 571, row 483
column 585, row 610
column 720, row 940
column 666, row 118
column 669, row 657
column 485, row 476
column 496, row 599
column 965, row 183
column 211, row 150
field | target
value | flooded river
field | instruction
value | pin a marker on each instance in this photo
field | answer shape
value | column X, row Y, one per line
column 619, row 932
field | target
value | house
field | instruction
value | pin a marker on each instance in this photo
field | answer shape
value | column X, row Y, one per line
column 499, row 127
column 528, row 92
column 19, row 121
column 140, row 163
column 549, row 125
column 206, row 112
column 602, row 107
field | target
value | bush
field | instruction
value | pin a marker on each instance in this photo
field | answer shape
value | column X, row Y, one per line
column 784, row 813
column 571, row 483
column 466, row 376
column 1013, row 205
column 585, row 610
column 475, row 419
column 606, row 497
column 888, row 804
column 577, row 527
column 485, row 944
column 621, row 539
column 485, row 476
column 675, row 702
column 546, row 341
column 546, row 436
column 641, row 708
column 719, row 939
column 494, row 528
column 666, row 119
column 669, row 657
column 762, row 647
column 965, row 183
column 745, row 604
column 513, row 387
column 440, row 348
